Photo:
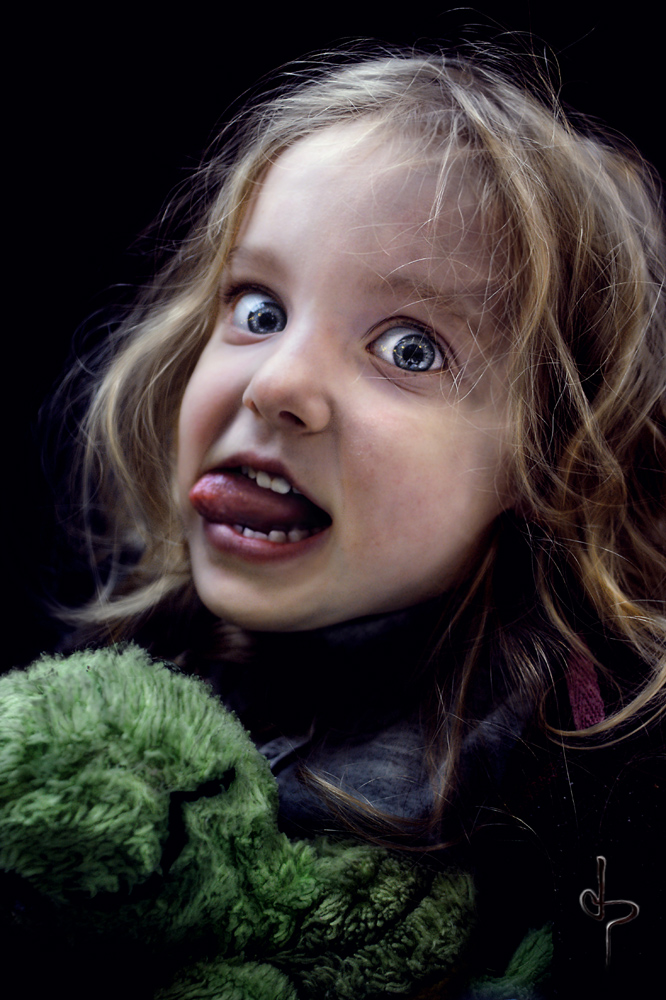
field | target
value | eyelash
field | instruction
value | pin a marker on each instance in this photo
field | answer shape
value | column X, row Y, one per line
column 422, row 339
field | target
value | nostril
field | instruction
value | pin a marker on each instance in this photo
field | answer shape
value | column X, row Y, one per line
column 291, row 418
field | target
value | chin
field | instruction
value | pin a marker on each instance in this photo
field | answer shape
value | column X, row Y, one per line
column 255, row 619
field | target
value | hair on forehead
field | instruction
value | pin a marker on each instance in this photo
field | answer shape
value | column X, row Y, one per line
column 457, row 117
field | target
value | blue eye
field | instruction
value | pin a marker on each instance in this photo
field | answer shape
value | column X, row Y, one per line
column 258, row 313
column 409, row 349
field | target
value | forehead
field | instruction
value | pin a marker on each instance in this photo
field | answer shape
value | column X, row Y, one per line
column 376, row 196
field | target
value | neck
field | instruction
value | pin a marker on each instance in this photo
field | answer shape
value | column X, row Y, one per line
column 347, row 676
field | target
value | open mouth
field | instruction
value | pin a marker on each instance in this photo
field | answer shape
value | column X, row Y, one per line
column 257, row 504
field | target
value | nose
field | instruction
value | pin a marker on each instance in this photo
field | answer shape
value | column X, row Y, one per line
column 291, row 388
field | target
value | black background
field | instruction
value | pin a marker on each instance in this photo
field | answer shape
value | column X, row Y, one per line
column 109, row 110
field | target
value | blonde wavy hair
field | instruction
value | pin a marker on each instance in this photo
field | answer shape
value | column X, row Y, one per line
column 578, row 224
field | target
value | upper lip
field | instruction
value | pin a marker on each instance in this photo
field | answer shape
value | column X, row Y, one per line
column 273, row 466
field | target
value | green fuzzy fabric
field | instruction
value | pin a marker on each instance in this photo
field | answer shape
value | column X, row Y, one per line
column 526, row 974
column 136, row 806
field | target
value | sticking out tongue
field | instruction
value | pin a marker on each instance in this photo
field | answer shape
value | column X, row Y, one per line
column 229, row 497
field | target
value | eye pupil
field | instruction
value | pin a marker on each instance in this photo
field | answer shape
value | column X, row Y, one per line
column 266, row 318
column 415, row 353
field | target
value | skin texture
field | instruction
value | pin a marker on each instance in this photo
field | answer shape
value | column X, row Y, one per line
column 406, row 463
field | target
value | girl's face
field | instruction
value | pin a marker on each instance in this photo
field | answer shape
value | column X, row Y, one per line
column 343, row 436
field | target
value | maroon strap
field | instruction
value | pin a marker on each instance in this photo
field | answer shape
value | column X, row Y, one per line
column 584, row 694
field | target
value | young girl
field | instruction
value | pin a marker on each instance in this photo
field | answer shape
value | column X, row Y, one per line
column 381, row 455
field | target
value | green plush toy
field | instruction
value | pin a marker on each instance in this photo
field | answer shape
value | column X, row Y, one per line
column 139, row 809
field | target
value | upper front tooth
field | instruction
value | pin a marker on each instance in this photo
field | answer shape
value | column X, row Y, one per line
column 280, row 485
column 276, row 483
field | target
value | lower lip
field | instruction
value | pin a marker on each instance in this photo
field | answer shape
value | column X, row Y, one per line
column 258, row 550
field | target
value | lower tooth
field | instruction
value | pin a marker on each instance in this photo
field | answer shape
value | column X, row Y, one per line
column 249, row 533
column 276, row 535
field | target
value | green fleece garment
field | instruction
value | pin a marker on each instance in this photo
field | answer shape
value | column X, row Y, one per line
column 138, row 806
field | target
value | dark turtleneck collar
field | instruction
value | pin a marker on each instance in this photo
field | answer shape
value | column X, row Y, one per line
column 352, row 676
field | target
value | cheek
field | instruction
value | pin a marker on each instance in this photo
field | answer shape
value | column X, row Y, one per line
column 191, row 428
column 438, row 474
column 200, row 416
column 195, row 417
column 210, row 400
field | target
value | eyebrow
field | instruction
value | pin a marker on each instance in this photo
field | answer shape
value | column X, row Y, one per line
column 411, row 288
column 470, row 307
column 258, row 256
column 419, row 290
